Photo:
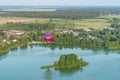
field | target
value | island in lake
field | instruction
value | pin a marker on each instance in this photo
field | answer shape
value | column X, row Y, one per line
column 67, row 61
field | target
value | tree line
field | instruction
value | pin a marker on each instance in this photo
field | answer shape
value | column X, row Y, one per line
column 63, row 14
column 6, row 47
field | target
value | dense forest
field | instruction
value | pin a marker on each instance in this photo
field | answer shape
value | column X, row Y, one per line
column 72, row 14
column 27, row 26
column 65, row 13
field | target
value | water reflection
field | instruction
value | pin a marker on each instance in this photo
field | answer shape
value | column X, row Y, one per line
column 48, row 74
column 61, row 48
column 69, row 71
column 63, row 72
column 67, row 46
column 23, row 47
column 3, row 56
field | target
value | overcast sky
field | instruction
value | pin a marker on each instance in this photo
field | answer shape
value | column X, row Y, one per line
column 61, row 2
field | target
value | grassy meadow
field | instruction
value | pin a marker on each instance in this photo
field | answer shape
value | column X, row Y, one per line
column 110, row 16
column 100, row 22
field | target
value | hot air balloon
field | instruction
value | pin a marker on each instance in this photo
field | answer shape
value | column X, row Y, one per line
column 48, row 37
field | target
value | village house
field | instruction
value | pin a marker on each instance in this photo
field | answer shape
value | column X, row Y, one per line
column 92, row 37
column 76, row 33
column 63, row 31
column 14, row 40
column 0, row 41
column 15, row 33
column 4, row 40
column 87, row 30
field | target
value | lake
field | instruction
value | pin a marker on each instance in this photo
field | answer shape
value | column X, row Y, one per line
column 24, row 64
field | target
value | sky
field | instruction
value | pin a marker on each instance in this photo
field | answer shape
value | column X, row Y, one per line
column 61, row 2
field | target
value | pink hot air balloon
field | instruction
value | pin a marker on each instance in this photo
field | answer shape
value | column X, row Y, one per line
column 48, row 37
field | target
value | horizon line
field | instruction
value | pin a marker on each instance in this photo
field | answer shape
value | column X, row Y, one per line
column 68, row 5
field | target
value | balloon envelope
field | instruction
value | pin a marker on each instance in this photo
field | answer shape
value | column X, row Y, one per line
column 48, row 37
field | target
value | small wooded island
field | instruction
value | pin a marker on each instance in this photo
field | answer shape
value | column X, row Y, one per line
column 67, row 61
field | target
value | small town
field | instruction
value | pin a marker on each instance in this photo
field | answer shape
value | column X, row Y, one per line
column 16, row 35
column 12, row 36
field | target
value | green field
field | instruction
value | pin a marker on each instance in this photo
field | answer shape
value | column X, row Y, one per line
column 63, row 23
column 110, row 16
column 82, row 23
column 99, row 22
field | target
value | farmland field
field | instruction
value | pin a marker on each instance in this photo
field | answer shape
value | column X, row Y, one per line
column 110, row 16
column 61, row 23
column 22, row 20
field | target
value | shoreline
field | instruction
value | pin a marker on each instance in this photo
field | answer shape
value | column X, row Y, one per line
column 36, row 42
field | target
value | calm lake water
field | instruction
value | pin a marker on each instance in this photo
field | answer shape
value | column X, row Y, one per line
column 24, row 64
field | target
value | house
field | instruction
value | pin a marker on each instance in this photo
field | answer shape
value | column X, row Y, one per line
column 14, row 40
column 15, row 33
column 0, row 41
column 4, row 40
column 63, row 31
column 87, row 30
column 76, row 33
column 92, row 37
